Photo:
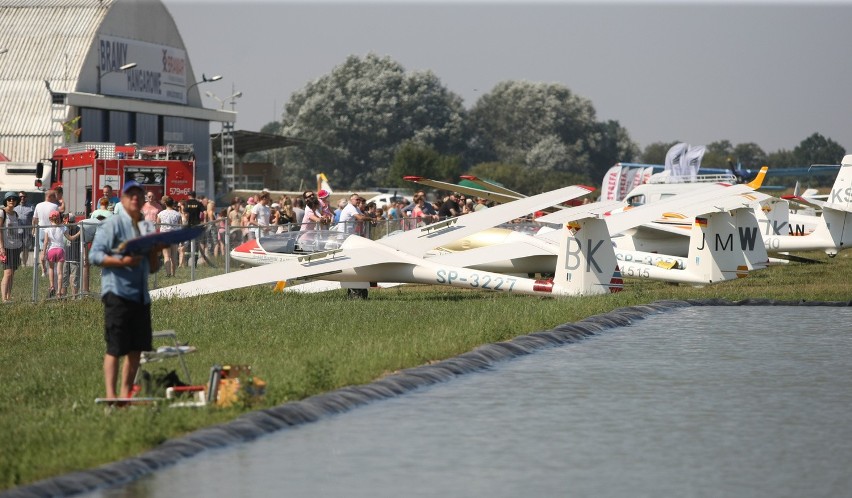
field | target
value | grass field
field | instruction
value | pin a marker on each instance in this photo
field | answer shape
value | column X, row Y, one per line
column 51, row 353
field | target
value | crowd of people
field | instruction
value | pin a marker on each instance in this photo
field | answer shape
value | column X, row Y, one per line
column 259, row 214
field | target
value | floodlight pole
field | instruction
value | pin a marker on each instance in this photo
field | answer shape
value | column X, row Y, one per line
column 204, row 79
column 125, row 67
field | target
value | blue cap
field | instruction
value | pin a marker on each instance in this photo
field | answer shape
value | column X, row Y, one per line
column 129, row 185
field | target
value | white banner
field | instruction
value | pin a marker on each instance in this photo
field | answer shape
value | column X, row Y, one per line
column 693, row 160
column 159, row 74
column 646, row 175
column 609, row 187
column 675, row 159
column 628, row 177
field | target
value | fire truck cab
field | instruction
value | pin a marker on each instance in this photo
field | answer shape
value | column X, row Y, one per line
column 84, row 169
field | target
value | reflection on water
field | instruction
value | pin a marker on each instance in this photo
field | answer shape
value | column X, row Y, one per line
column 703, row 401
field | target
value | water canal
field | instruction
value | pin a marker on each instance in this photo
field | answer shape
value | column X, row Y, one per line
column 747, row 401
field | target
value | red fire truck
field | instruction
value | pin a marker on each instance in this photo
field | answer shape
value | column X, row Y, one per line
column 84, row 169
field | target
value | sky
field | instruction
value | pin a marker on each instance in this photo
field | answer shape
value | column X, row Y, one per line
column 770, row 73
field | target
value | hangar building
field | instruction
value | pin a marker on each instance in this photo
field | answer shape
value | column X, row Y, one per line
column 99, row 71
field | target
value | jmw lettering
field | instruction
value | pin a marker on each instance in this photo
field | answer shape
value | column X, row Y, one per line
column 573, row 257
column 725, row 243
column 748, row 237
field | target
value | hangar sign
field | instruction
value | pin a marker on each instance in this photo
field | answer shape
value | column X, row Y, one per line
column 159, row 74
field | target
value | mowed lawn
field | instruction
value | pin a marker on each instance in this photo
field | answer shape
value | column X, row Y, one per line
column 51, row 353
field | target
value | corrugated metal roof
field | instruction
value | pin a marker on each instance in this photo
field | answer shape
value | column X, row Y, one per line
column 52, row 40
column 47, row 40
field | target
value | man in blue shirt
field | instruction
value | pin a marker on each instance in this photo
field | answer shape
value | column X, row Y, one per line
column 124, row 289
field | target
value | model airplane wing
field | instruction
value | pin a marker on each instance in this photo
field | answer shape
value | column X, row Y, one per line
column 475, row 192
column 145, row 243
column 419, row 241
column 583, row 211
column 686, row 205
column 491, row 186
column 313, row 266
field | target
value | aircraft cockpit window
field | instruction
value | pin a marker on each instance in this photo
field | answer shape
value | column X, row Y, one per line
column 319, row 240
column 281, row 245
column 636, row 200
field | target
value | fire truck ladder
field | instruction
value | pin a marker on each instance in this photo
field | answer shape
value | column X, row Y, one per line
column 228, row 155
column 105, row 150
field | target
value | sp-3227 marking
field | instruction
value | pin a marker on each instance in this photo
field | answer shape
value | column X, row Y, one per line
column 485, row 281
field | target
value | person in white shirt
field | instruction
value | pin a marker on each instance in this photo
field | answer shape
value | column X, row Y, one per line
column 351, row 214
column 261, row 213
column 41, row 217
column 169, row 219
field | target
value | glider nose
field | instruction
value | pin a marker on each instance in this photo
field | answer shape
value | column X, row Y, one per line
column 248, row 252
column 247, row 247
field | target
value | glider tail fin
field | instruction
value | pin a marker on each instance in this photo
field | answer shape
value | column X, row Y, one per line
column 749, row 239
column 714, row 252
column 841, row 192
column 586, row 262
column 838, row 224
column 758, row 180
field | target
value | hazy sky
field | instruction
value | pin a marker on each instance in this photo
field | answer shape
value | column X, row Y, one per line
column 765, row 72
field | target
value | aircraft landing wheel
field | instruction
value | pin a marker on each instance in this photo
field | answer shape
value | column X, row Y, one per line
column 356, row 293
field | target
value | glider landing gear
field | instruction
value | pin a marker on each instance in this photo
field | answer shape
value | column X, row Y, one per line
column 356, row 293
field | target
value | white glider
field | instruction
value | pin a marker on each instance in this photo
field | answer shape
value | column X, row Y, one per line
column 360, row 260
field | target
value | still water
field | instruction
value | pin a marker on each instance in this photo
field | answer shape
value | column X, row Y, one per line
column 701, row 401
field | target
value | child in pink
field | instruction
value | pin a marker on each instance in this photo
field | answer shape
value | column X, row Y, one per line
column 54, row 252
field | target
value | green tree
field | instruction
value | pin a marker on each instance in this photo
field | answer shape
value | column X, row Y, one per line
column 817, row 149
column 721, row 148
column 782, row 159
column 356, row 117
column 717, row 154
column 544, row 126
column 615, row 147
column 414, row 159
column 750, row 156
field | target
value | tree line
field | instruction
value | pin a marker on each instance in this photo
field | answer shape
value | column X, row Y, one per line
column 369, row 122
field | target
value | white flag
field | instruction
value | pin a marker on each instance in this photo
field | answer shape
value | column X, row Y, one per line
column 646, row 175
column 675, row 159
column 693, row 160
column 628, row 177
column 609, row 187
